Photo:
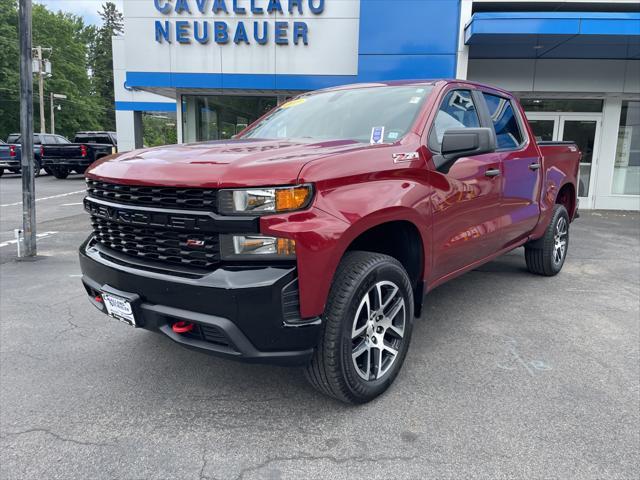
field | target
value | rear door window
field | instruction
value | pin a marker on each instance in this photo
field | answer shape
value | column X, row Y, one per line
column 508, row 132
column 456, row 111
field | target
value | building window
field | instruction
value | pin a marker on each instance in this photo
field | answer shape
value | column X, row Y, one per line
column 159, row 128
column 626, row 174
column 220, row 117
column 561, row 105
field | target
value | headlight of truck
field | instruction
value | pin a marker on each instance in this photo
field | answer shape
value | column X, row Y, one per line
column 256, row 247
column 261, row 201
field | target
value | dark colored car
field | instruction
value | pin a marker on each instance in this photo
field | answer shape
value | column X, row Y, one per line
column 312, row 238
column 11, row 159
column 87, row 147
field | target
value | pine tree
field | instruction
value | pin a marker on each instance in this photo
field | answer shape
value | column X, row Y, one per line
column 101, row 62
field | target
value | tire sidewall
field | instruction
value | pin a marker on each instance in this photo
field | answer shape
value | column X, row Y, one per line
column 359, row 387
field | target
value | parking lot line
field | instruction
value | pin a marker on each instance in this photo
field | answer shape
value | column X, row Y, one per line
column 45, row 198
column 39, row 235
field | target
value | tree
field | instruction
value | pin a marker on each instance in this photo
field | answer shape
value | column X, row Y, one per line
column 67, row 35
column 101, row 62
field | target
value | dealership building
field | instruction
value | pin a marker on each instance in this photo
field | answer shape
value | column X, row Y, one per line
column 204, row 69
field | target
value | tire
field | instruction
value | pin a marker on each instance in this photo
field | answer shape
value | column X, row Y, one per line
column 546, row 255
column 60, row 172
column 351, row 322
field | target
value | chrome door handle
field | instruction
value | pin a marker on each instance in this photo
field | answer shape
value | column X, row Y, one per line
column 534, row 166
column 492, row 172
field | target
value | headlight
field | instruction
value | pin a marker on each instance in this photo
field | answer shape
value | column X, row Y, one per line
column 261, row 201
column 255, row 247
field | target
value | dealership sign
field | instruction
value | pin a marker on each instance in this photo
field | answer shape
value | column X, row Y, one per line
column 262, row 29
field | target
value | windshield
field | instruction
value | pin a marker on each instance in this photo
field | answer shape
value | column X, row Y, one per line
column 370, row 115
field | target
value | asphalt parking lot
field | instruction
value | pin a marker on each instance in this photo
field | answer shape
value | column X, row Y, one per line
column 509, row 375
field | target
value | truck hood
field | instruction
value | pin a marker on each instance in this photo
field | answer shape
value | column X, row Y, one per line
column 218, row 164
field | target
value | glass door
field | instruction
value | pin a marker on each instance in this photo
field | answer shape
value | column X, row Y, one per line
column 544, row 125
column 584, row 130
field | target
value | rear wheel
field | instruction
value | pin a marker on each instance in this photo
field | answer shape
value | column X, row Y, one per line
column 546, row 255
column 60, row 172
column 367, row 328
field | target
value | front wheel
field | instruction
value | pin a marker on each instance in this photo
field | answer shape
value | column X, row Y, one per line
column 367, row 327
column 546, row 255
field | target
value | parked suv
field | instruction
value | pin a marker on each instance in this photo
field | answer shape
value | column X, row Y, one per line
column 312, row 238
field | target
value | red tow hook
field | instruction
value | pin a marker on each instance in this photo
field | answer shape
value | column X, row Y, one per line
column 182, row 327
column 98, row 298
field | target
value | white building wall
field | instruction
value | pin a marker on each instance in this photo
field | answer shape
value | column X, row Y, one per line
column 126, row 124
column 332, row 41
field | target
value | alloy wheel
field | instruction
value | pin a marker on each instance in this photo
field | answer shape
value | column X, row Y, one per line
column 378, row 330
column 560, row 240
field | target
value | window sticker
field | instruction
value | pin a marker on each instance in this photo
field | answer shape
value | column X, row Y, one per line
column 415, row 100
column 392, row 135
column 293, row 103
column 377, row 135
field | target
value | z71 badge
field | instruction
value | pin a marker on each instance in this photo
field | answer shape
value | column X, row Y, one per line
column 405, row 157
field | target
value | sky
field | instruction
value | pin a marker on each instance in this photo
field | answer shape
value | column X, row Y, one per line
column 87, row 9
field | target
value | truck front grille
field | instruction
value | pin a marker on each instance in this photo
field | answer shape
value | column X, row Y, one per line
column 159, row 197
column 188, row 249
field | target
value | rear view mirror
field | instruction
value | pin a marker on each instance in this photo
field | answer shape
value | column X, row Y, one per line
column 464, row 142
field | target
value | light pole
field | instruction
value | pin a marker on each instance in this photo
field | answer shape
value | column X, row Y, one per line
column 55, row 96
column 26, row 130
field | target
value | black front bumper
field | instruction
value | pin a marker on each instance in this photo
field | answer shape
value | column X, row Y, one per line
column 242, row 313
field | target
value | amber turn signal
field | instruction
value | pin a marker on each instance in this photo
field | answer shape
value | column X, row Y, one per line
column 292, row 198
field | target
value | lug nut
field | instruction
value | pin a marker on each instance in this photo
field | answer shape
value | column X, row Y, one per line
column 374, row 340
column 379, row 330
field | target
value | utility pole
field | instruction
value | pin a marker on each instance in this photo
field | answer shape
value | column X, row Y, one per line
column 26, row 131
column 43, row 127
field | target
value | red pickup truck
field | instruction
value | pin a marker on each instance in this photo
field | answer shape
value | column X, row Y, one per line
column 312, row 238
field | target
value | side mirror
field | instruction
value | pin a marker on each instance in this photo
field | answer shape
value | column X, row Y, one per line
column 464, row 142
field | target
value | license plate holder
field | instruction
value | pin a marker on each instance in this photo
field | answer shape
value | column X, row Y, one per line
column 120, row 308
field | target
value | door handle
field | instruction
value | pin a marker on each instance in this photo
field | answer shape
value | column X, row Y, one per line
column 534, row 166
column 492, row 172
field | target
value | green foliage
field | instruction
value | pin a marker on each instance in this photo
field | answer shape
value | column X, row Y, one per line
column 101, row 62
column 9, row 69
column 78, row 49
column 159, row 129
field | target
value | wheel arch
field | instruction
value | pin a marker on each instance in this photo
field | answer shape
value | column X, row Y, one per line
column 567, row 196
column 402, row 240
